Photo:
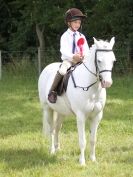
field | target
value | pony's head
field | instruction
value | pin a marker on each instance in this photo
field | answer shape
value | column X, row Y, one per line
column 104, row 59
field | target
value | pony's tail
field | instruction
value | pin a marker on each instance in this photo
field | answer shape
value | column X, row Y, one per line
column 49, row 121
column 46, row 127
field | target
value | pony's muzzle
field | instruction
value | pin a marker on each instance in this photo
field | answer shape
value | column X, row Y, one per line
column 106, row 79
column 106, row 84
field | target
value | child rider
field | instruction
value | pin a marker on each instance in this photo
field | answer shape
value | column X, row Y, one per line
column 70, row 53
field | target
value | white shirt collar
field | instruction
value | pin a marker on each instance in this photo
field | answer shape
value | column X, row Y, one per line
column 71, row 32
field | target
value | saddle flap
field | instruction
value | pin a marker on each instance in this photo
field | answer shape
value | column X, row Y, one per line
column 62, row 86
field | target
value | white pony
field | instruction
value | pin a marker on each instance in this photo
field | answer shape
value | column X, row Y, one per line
column 85, row 96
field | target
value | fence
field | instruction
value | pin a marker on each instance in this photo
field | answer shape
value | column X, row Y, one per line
column 18, row 61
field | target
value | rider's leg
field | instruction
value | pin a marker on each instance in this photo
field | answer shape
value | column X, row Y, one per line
column 52, row 96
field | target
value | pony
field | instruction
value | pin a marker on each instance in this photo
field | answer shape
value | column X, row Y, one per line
column 85, row 96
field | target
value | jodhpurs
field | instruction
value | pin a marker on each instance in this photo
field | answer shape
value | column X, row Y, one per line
column 64, row 67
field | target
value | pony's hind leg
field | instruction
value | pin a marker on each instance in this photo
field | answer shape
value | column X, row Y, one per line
column 48, row 126
column 58, row 123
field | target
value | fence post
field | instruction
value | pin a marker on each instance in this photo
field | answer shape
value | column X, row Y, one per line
column 129, row 57
column 0, row 66
column 39, row 61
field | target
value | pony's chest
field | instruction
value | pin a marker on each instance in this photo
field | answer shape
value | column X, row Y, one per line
column 95, row 103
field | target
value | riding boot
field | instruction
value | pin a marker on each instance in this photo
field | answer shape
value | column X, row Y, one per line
column 52, row 96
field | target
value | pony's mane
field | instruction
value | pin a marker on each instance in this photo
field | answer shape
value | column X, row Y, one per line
column 102, row 43
column 93, row 47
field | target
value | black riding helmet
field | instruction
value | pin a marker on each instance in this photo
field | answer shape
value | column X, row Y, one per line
column 74, row 14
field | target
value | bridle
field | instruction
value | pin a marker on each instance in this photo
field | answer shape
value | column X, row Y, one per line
column 97, row 69
column 98, row 72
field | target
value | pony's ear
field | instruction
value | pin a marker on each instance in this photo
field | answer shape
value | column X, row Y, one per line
column 112, row 41
column 95, row 41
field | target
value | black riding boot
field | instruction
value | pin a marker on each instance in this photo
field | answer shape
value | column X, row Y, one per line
column 52, row 96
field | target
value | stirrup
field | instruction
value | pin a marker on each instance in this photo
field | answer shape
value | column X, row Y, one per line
column 52, row 97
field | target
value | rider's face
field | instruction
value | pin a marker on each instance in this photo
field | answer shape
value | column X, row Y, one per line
column 75, row 25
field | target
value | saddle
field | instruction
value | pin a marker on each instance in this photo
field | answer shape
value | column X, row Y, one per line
column 62, row 86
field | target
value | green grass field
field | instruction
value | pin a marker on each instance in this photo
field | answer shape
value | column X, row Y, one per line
column 24, row 152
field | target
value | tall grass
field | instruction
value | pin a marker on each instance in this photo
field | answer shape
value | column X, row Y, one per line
column 24, row 152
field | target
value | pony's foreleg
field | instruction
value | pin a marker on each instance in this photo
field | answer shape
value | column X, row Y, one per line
column 93, row 132
column 58, row 124
column 82, row 138
column 48, row 125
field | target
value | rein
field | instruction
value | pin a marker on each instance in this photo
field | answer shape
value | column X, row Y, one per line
column 95, row 74
column 84, row 88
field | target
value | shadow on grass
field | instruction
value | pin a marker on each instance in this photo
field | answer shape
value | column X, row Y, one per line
column 24, row 159
column 122, row 149
column 125, row 151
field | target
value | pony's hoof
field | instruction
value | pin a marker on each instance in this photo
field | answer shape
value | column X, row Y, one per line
column 93, row 158
column 52, row 151
column 57, row 147
column 82, row 161
column 82, row 164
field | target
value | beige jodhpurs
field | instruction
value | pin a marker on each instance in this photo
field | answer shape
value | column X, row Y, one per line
column 64, row 67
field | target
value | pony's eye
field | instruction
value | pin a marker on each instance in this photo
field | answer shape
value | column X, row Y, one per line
column 99, row 61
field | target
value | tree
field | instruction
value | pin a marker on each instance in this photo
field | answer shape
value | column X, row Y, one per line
column 31, row 23
column 42, row 16
column 5, row 24
column 112, row 17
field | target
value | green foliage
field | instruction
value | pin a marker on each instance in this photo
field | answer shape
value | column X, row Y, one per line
column 106, row 18
column 112, row 18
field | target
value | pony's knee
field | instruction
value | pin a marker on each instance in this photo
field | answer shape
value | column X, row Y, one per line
column 98, row 107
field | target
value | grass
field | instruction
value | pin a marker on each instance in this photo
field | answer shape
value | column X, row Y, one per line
column 24, row 152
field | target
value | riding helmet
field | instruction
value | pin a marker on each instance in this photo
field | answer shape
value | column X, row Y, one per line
column 74, row 14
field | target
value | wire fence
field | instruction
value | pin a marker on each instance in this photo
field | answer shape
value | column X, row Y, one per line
column 29, row 63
